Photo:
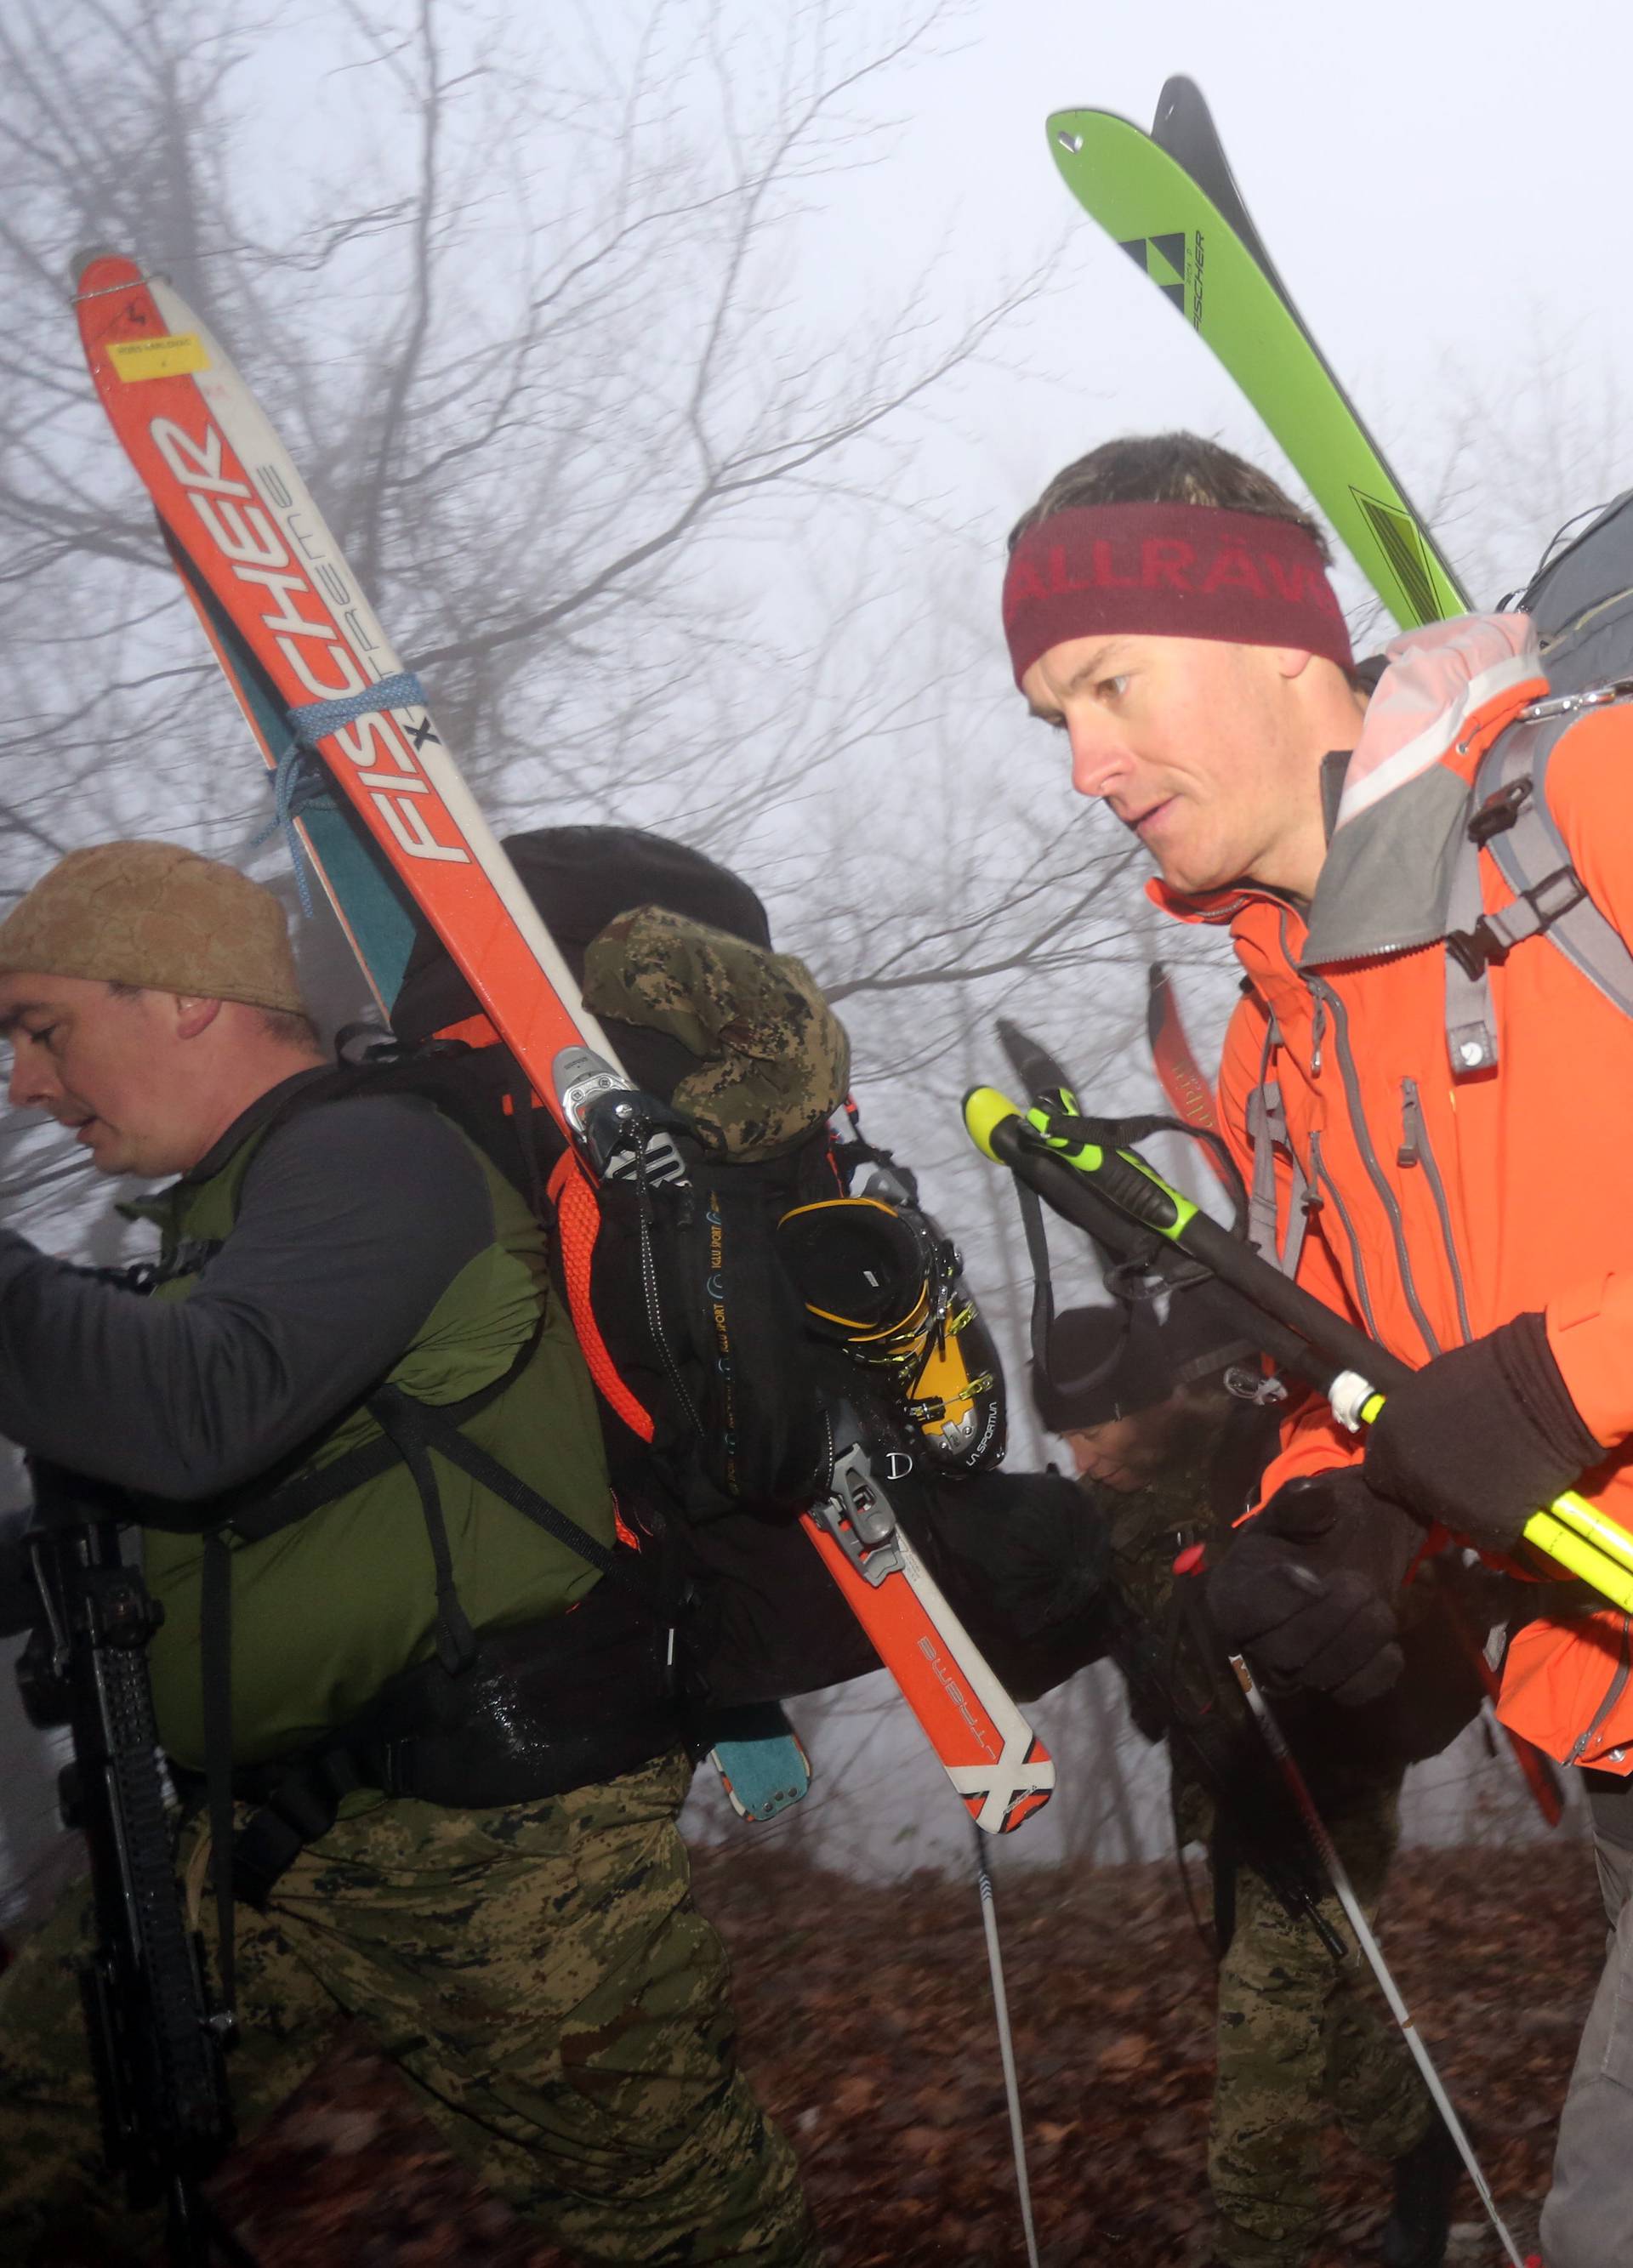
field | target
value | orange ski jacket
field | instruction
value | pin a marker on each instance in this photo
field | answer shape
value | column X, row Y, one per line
column 1428, row 1202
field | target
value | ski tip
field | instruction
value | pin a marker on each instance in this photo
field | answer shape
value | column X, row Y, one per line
column 94, row 269
column 1065, row 129
column 1176, row 94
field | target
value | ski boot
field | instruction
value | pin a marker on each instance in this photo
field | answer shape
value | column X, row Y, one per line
column 881, row 1280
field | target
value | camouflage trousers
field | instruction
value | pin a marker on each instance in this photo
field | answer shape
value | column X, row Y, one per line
column 1301, row 2042
column 540, row 1977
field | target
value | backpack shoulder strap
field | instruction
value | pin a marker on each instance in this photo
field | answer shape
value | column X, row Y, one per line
column 1535, row 862
column 1510, row 818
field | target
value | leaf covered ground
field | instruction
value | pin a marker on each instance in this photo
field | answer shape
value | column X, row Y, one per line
column 867, row 2025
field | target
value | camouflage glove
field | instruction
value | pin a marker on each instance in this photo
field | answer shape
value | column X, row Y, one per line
column 774, row 1060
column 1306, row 1590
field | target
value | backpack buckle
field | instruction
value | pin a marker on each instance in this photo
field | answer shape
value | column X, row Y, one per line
column 1494, row 936
column 1567, row 705
column 1498, row 813
column 1475, row 950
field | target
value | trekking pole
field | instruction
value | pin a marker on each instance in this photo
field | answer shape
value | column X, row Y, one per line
column 1046, row 1150
column 1264, row 1716
column 1006, row 2044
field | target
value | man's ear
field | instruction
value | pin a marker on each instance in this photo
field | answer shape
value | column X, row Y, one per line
column 1290, row 660
column 193, row 1014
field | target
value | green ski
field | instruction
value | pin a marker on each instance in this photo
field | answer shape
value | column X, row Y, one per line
column 1168, row 200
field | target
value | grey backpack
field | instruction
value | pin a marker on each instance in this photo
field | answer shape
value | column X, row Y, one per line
column 1581, row 601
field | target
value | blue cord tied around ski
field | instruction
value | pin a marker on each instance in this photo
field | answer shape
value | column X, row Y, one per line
column 298, row 781
column 314, row 719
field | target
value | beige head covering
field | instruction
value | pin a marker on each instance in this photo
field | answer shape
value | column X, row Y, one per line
column 154, row 915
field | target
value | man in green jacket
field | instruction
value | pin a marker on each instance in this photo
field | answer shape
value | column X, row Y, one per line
column 503, row 1898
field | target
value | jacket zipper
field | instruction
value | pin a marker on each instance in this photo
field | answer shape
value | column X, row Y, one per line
column 1320, row 1179
column 1325, row 993
column 1613, row 1694
column 1417, row 1149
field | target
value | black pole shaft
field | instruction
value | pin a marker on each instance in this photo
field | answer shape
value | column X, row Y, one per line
column 1291, row 1326
column 1248, row 1272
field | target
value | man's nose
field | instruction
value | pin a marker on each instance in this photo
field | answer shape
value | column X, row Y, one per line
column 1099, row 759
column 31, row 1086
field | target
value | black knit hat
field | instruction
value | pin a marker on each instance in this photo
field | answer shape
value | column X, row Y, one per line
column 1112, row 1360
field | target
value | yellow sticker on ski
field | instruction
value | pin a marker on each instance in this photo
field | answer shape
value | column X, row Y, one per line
column 177, row 355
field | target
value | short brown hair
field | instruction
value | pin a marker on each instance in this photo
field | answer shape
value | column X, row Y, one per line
column 1168, row 468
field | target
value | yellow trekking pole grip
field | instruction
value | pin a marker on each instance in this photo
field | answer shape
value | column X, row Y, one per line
column 1593, row 1547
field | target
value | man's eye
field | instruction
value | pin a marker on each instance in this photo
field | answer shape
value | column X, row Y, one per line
column 40, row 1035
column 1112, row 689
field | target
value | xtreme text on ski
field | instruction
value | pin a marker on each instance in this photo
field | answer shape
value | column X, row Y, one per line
column 1196, row 280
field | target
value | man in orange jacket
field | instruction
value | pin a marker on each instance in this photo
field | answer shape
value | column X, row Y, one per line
column 1435, row 1133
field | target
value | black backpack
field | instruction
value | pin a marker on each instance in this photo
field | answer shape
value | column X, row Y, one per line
column 714, row 1381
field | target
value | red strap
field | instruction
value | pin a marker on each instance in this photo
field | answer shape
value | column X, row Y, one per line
column 578, row 1225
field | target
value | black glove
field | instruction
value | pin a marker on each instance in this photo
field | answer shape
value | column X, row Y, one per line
column 1482, row 1437
column 1307, row 1588
column 1036, row 1547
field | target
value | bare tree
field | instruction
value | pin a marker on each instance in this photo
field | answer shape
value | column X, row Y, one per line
column 540, row 356
column 545, row 316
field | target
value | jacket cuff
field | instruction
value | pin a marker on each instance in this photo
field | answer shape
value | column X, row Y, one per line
column 1527, row 1365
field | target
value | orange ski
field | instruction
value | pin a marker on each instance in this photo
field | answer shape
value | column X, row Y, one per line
column 252, row 544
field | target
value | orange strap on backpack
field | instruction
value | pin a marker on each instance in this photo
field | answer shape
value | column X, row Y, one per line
column 578, row 1225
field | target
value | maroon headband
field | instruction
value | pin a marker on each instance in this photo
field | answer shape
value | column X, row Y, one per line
column 1169, row 571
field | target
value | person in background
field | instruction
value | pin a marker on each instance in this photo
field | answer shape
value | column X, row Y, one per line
column 1140, row 1396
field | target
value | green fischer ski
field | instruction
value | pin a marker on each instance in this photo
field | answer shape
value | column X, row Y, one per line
column 1168, row 200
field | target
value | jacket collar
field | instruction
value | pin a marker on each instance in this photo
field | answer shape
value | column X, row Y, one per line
column 1442, row 684
column 247, row 1122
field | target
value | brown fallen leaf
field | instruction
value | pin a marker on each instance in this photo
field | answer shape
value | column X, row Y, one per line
column 873, row 2043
